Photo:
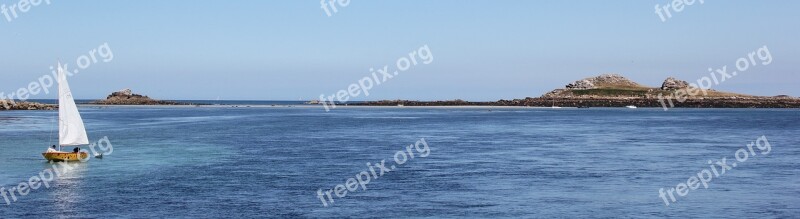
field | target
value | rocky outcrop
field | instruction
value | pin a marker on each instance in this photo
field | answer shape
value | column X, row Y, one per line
column 605, row 80
column 127, row 97
column 612, row 90
column 617, row 86
column 581, row 85
column 673, row 84
column 123, row 92
column 742, row 102
column 17, row 105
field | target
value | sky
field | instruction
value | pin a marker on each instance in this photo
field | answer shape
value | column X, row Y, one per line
column 482, row 49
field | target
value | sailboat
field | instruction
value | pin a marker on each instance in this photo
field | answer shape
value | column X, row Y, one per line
column 71, row 131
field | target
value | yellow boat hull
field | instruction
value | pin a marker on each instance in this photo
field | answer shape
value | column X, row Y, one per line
column 65, row 156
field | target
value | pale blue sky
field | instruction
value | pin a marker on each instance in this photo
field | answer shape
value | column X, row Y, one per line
column 484, row 50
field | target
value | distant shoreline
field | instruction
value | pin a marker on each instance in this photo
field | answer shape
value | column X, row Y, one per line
column 355, row 106
column 362, row 106
column 541, row 102
column 750, row 102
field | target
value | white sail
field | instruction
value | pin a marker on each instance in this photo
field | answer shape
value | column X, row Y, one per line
column 71, row 131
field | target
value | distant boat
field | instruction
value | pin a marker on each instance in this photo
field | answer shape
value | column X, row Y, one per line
column 401, row 105
column 631, row 107
column 71, row 131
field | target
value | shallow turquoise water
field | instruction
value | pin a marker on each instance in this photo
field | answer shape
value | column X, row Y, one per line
column 208, row 162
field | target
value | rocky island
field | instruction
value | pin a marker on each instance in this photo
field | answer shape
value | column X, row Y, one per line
column 127, row 97
column 21, row 105
column 614, row 90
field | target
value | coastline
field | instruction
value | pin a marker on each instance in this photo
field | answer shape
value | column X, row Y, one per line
column 6, row 105
column 432, row 105
column 538, row 103
column 311, row 106
column 750, row 102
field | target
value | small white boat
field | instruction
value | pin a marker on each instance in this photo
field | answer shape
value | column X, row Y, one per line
column 631, row 107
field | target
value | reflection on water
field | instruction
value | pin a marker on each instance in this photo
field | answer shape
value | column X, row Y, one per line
column 67, row 187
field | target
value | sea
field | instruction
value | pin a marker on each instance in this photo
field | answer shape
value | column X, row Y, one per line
column 282, row 159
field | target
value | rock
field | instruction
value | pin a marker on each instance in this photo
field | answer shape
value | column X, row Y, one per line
column 127, row 97
column 605, row 80
column 611, row 90
column 20, row 105
column 581, row 85
column 674, row 84
column 124, row 92
column 554, row 93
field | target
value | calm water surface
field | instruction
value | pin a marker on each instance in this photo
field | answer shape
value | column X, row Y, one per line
column 212, row 162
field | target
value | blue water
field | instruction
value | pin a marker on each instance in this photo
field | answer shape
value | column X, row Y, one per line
column 219, row 162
